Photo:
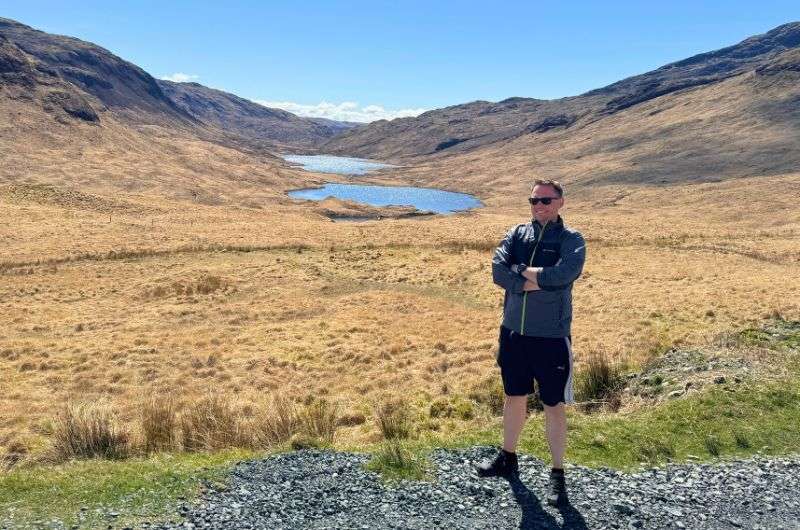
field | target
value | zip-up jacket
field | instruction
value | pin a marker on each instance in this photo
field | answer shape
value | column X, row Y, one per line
column 561, row 252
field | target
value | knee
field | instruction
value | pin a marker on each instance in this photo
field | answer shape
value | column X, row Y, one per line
column 516, row 401
column 556, row 410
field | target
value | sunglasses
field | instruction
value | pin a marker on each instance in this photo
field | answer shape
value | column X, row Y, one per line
column 544, row 200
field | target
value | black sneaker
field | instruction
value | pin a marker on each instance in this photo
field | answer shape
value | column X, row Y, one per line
column 557, row 490
column 504, row 465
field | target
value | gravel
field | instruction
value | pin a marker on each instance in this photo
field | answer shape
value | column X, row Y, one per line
column 325, row 489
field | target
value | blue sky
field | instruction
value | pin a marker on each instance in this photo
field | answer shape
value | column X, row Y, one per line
column 373, row 59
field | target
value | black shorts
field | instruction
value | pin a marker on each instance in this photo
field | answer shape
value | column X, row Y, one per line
column 547, row 360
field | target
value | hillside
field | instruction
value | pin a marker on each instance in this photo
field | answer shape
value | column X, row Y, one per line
column 744, row 126
column 241, row 117
column 101, row 84
column 530, row 123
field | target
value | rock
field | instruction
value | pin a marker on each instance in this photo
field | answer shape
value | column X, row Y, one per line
column 719, row 380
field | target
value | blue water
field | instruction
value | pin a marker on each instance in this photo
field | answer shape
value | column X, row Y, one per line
column 423, row 199
column 341, row 165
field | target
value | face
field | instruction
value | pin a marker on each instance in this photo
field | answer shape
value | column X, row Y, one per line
column 546, row 212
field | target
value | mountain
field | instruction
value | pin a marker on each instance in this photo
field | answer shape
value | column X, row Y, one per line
column 463, row 128
column 96, row 81
column 247, row 119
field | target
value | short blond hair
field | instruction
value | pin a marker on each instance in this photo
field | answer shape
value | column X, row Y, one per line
column 556, row 185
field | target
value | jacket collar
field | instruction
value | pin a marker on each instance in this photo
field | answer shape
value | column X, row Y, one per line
column 558, row 223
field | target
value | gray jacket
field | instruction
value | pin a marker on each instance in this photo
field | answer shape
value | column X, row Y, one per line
column 561, row 252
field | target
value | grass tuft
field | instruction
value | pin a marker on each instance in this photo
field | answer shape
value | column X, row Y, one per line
column 599, row 380
column 276, row 422
column 89, row 431
column 713, row 445
column 489, row 392
column 655, row 450
column 209, row 424
column 320, row 419
column 159, row 422
column 394, row 461
column 394, row 420
column 741, row 440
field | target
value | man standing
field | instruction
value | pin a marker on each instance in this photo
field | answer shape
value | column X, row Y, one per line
column 536, row 264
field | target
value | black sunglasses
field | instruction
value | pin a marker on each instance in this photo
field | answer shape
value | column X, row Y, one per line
column 543, row 200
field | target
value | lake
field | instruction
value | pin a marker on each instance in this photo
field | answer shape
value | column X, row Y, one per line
column 340, row 165
column 423, row 199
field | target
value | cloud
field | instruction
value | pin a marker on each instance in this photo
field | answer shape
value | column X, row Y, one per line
column 345, row 111
column 180, row 77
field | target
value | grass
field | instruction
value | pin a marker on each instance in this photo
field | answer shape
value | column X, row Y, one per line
column 277, row 301
column 138, row 489
column 89, row 431
column 394, row 460
column 716, row 423
column 394, row 419
column 599, row 380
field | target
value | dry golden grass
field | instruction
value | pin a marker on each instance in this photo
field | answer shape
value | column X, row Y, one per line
column 352, row 312
column 137, row 286
column 89, row 431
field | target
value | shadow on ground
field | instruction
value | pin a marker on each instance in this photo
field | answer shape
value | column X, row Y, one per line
column 534, row 516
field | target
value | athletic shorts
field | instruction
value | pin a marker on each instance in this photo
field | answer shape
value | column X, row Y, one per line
column 523, row 359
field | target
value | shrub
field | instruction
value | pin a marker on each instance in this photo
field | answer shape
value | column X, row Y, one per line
column 393, row 419
column 159, row 424
column 89, row 431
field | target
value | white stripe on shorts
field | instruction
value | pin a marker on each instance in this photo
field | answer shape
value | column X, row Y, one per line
column 569, row 393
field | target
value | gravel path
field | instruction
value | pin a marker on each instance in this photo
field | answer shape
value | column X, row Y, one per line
column 322, row 489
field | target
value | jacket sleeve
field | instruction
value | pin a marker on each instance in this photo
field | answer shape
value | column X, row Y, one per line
column 501, row 263
column 569, row 266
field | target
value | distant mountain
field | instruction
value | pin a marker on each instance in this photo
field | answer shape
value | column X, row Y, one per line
column 462, row 128
column 91, row 81
column 247, row 119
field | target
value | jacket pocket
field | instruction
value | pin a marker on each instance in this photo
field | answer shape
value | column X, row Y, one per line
column 543, row 310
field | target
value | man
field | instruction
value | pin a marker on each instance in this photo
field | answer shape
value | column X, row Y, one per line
column 536, row 264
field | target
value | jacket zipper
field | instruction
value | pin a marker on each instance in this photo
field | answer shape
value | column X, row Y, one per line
column 530, row 264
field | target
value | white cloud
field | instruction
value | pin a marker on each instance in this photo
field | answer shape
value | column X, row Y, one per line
column 180, row 77
column 345, row 111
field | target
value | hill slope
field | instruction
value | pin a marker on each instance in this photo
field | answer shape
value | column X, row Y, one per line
column 463, row 128
column 100, row 82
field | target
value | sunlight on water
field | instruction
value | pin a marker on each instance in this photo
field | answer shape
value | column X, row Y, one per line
column 336, row 164
column 423, row 199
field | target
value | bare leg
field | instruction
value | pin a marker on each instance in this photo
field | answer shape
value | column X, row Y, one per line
column 555, row 420
column 514, row 412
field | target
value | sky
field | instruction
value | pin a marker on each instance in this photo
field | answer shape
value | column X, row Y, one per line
column 368, row 60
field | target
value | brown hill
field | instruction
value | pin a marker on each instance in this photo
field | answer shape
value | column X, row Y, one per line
column 464, row 128
column 98, row 81
column 746, row 125
column 239, row 116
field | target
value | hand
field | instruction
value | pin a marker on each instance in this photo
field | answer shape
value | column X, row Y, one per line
column 531, row 273
column 530, row 286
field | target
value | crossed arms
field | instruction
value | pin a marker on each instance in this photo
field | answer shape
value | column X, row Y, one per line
column 566, row 270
